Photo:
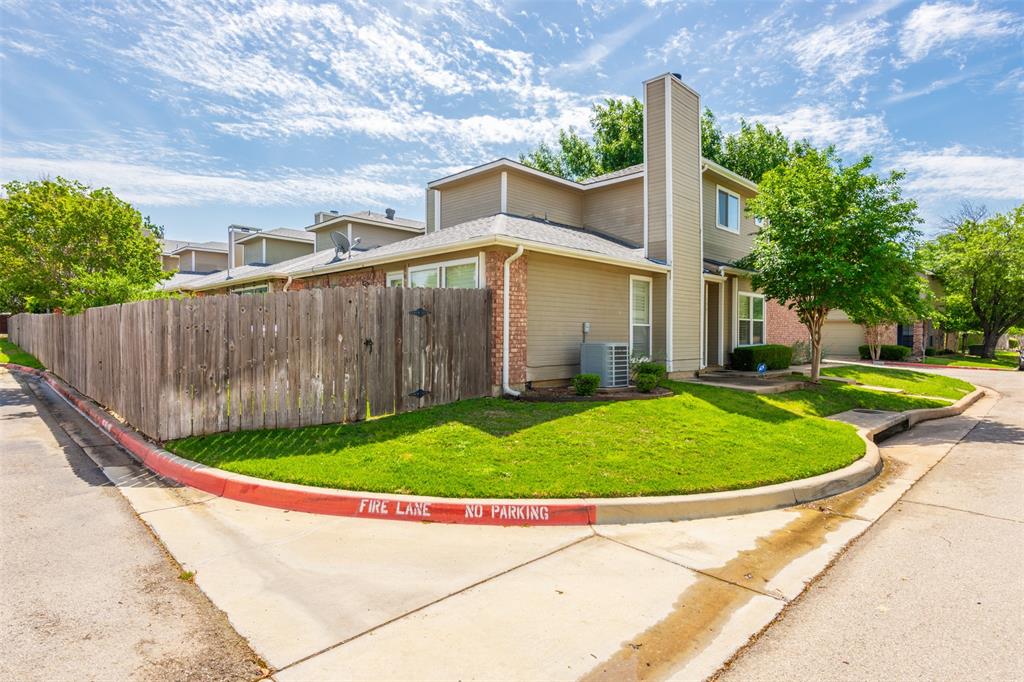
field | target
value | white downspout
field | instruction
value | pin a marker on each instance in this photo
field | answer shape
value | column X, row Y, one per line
column 506, row 389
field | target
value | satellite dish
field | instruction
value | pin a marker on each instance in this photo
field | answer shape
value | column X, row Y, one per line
column 342, row 245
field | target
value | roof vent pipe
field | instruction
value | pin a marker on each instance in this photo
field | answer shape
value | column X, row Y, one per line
column 390, row 213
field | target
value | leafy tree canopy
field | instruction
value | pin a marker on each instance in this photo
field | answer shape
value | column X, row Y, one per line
column 65, row 245
column 836, row 237
column 619, row 143
column 981, row 264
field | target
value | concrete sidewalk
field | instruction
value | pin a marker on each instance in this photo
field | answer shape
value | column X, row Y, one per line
column 86, row 593
column 935, row 590
column 339, row 598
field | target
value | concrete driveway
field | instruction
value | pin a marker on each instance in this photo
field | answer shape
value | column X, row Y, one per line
column 337, row 598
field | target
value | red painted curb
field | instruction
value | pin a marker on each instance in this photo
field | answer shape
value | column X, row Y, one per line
column 317, row 500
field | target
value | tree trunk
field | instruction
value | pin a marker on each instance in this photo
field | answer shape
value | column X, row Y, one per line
column 814, row 326
column 990, row 341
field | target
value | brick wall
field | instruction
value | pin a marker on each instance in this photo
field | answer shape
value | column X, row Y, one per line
column 494, row 279
column 783, row 325
column 356, row 278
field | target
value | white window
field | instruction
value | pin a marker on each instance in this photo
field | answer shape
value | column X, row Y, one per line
column 456, row 274
column 640, row 316
column 760, row 221
column 396, row 279
column 750, row 319
column 728, row 210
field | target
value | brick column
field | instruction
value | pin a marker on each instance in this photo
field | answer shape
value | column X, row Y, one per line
column 918, row 350
column 494, row 277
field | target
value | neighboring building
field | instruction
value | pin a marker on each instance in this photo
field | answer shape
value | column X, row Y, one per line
column 170, row 261
column 202, row 257
column 371, row 229
column 274, row 246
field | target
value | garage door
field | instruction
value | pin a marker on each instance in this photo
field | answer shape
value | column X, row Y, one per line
column 841, row 337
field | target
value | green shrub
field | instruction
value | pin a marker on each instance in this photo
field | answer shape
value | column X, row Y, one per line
column 586, row 384
column 1014, row 343
column 774, row 355
column 976, row 349
column 645, row 383
column 655, row 368
column 892, row 353
column 929, row 352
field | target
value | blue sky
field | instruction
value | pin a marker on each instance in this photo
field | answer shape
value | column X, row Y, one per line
column 204, row 114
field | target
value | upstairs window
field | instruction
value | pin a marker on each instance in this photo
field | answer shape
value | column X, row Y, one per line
column 750, row 320
column 728, row 210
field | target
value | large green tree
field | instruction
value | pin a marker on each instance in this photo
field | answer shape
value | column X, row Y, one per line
column 618, row 143
column 835, row 236
column 982, row 261
column 65, row 245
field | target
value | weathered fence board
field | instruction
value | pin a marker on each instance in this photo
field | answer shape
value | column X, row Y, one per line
column 183, row 367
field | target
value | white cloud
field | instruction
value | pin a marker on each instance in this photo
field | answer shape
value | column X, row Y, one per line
column 152, row 185
column 675, row 48
column 958, row 172
column 933, row 25
column 823, row 126
column 842, row 50
column 605, row 45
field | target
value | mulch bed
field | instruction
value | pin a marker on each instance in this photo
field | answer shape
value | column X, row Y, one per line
column 566, row 394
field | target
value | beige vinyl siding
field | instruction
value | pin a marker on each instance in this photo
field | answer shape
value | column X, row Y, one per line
column 617, row 210
column 534, row 197
column 205, row 262
column 252, row 252
column 169, row 263
column 687, row 267
column 430, row 210
column 476, row 197
column 720, row 244
column 655, row 163
column 839, row 336
column 562, row 294
column 279, row 250
column 370, row 235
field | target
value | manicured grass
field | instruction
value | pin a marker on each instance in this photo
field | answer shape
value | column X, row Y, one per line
column 1004, row 360
column 700, row 439
column 918, row 383
column 11, row 353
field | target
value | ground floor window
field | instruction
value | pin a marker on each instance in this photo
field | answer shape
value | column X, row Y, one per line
column 396, row 279
column 640, row 316
column 457, row 274
column 750, row 317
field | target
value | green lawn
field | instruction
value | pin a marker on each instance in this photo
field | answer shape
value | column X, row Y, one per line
column 1005, row 359
column 11, row 353
column 700, row 439
column 918, row 383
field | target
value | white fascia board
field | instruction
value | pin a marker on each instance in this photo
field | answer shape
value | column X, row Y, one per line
column 368, row 221
column 504, row 163
column 708, row 164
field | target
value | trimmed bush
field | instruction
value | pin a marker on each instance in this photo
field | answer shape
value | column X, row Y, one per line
column 1014, row 343
column 889, row 352
column 929, row 352
column 976, row 349
column 774, row 355
column 645, row 383
column 654, row 368
column 586, row 384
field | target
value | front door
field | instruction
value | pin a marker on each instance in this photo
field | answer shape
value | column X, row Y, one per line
column 712, row 324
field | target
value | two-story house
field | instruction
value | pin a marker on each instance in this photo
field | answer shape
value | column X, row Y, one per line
column 642, row 255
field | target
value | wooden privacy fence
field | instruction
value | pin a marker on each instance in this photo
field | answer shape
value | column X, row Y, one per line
column 187, row 367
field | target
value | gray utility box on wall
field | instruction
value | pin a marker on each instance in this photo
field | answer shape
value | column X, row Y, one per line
column 610, row 361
